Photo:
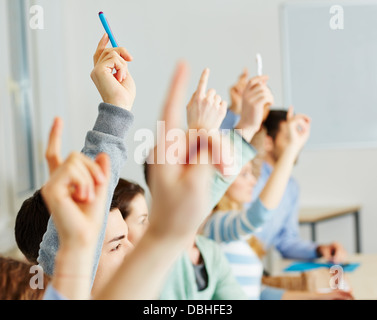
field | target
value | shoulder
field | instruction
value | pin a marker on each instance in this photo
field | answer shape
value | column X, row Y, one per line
column 210, row 250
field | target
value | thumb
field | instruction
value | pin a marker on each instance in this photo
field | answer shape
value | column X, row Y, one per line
column 258, row 79
column 290, row 113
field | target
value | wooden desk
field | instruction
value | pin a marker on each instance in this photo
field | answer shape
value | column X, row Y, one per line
column 313, row 215
column 363, row 280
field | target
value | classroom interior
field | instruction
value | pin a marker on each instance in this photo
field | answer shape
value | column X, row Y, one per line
column 45, row 72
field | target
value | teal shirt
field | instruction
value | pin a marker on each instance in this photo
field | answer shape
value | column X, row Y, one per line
column 181, row 283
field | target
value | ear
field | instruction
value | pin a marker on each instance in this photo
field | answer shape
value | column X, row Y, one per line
column 268, row 144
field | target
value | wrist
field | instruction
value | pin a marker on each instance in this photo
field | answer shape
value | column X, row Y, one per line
column 235, row 109
column 73, row 272
column 292, row 152
column 247, row 131
column 168, row 238
column 74, row 257
column 119, row 104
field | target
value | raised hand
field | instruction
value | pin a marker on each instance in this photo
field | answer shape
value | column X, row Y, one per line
column 180, row 193
column 236, row 92
column 256, row 100
column 76, row 193
column 119, row 88
column 298, row 128
column 205, row 110
column 179, row 189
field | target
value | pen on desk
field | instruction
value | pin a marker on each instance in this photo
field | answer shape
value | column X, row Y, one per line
column 259, row 64
column 106, row 25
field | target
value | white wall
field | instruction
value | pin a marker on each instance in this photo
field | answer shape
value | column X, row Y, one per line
column 6, row 174
column 223, row 35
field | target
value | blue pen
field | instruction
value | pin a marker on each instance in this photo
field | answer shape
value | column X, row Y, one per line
column 108, row 29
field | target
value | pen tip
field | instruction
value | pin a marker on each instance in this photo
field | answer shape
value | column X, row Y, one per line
column 100, row 12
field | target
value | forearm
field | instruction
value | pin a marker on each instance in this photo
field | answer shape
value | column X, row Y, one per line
column 228, row 226
column 143, row 272
column 275, row 187
column 247, row 131
column 242, row 153
column 296, row 248
column 107, row 136
column 73, row 272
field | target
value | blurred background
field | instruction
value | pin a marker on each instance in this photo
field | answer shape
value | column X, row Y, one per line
column 45, row 68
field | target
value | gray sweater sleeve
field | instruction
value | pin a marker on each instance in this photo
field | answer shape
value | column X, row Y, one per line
column 107, row 136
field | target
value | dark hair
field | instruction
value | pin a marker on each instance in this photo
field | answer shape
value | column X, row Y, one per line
column 31, row 225
column 32, row 219
column 15, row 279
column 124, row 193
column 272, row 123
column 146, row 177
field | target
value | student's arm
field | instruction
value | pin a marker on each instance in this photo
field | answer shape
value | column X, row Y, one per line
column 206, row 110
column 180, row 196
column 76, row 196
column 108, row 134
column 231, row 226
column 242, row 153
column 299, row 131
column 288, row 241
column 256, row 98
column 234, row 112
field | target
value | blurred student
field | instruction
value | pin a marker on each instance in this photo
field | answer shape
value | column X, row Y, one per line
column 181, row 194
column 203, row 272
column 232, row 227
column 118, row 93
column 111, row 258
column 283, row 231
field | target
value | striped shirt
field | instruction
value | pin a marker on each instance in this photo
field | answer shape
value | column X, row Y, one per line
column 231, row 229
column 246, row 267
column 227, row 226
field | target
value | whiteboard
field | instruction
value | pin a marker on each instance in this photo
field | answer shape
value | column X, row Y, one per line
column 331, row 75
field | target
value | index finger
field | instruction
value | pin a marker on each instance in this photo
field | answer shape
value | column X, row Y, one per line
column 101, row 47
column 53, row 151
column 244, row 76
column 203, row 82
column 258, row 79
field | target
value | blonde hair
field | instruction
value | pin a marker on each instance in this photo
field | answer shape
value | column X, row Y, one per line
column 227, row 204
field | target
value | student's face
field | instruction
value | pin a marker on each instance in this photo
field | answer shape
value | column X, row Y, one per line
column 115, row 247
column 137, row 220
column 241, row 190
